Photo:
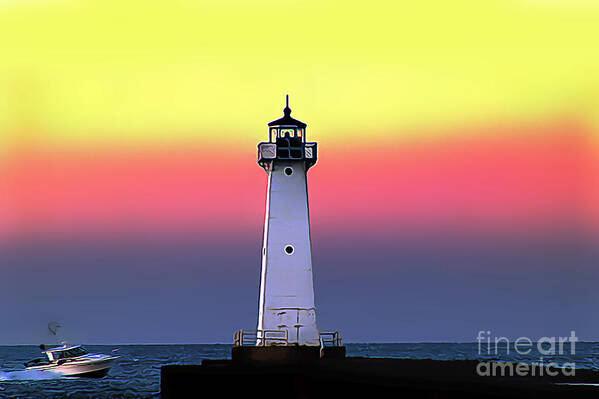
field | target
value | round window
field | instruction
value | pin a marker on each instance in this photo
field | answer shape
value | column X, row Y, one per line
column 289, row 249
column 288, row 171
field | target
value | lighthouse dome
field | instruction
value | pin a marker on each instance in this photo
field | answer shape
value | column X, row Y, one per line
column 287, row 120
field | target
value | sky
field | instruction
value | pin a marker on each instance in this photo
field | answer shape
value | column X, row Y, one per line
column 457, row 187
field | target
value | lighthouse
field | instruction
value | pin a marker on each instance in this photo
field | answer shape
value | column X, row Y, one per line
column 286, row 287
column 286, row 328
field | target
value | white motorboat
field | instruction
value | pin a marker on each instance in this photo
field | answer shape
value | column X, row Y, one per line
column 72, row 360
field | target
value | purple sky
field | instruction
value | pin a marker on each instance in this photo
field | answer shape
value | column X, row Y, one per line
column 392, row 289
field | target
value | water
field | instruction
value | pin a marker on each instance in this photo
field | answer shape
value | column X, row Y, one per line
column 137, row 373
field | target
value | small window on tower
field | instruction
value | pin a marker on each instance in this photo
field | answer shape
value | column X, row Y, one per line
column 273, row 134
column 300, row 132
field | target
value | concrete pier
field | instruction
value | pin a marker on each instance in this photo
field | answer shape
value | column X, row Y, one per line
column 365, row 377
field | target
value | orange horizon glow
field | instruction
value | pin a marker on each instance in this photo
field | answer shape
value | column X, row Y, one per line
column 530, row 178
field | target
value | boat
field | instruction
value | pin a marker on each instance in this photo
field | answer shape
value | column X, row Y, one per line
column 72, row 361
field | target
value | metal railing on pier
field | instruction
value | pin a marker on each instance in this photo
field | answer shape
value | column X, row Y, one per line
column 261, row 338
column 279, row 338
column 330, row 338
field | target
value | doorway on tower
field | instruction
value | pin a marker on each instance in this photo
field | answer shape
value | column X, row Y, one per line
column 290, row 148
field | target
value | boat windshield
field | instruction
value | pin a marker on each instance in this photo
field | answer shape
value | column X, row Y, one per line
column 69, row 353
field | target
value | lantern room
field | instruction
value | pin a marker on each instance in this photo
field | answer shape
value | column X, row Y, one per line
column 286, row 141
column 287, row 127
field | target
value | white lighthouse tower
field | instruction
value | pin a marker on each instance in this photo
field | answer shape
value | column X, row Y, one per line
column 286, row 287
column 287, row 329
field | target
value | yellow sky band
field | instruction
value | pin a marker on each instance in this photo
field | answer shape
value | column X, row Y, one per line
column 146, row 72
